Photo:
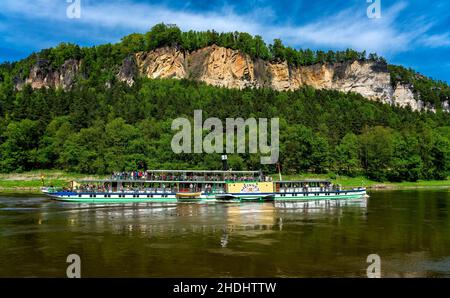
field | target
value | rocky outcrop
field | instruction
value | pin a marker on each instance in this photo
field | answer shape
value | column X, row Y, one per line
column 222, row 67
column 446, row 106
column 43, row 76
column 162, row 63
column 128, row 71
column 230, row 68
column 369, row 79
column 404, row 97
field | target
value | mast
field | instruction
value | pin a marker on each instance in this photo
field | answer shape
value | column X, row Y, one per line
column 279, row 171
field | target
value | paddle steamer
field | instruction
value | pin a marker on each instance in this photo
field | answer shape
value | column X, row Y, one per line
column 202, row 186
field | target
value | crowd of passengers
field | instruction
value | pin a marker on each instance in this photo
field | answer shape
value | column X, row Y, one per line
column 208, row 188
column 148, row 176
column 307, row 188
column 161, row 188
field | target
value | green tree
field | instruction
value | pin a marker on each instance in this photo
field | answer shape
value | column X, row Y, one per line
column 377, row 149
column 302, row 150
column 406, row 162
column 346, row 155
column 278, row 50
column 120, row 150
column 162, row 35
column 51, row 144
column 133, row 43
column 18, row 152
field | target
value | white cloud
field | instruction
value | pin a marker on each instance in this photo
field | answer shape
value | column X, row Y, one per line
column 349, row 28
column 436, row 40
column 354, row 29
column 130, row 15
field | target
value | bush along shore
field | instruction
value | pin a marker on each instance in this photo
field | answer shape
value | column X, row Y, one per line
column 31, row 182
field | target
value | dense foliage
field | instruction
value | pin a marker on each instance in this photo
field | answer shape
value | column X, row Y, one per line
column 100, row 130
column 102, row 125
column 100, row 63
column 171, row 35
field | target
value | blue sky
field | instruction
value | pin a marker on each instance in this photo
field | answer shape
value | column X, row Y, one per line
column 410, row 32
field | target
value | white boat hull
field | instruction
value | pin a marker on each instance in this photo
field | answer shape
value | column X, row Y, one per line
column 136, row 197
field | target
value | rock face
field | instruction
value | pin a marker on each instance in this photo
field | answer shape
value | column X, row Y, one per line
column 366, row 78
column 403, row 95
column 230, row 68
column 128, row 71
column 42, row 76
column 446, row 106
column 161, row 63
column 222, row 67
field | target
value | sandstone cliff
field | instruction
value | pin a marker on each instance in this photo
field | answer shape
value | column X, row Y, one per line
column 43, row 76
column 232, row 69
column 229, row 68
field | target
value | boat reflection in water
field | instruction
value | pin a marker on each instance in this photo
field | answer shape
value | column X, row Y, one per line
column 226, row 219
column 261, row 218
column 229, row 239
column 319, row 206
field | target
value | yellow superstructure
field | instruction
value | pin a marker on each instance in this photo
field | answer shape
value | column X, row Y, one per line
column 250, row 187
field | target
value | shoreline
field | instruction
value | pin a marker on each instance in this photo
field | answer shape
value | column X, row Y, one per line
column 30, row 182
column 37, row 191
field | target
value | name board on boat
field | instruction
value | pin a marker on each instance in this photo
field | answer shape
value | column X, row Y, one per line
column 250, row 187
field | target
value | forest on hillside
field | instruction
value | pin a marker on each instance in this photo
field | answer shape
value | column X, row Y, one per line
column 101, row 130
column 101, row 125
column 100, row 63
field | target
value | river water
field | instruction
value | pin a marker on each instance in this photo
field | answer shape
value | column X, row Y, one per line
column 408, row 229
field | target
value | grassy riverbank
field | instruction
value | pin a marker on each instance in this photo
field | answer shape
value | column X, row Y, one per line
column 31, row 181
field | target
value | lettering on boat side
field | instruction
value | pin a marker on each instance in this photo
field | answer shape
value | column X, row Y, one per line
column 374, row 269
column 74, row 269
column 250, row 188
column 236, row 129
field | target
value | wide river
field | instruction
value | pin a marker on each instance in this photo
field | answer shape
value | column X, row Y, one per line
column 408, row 229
